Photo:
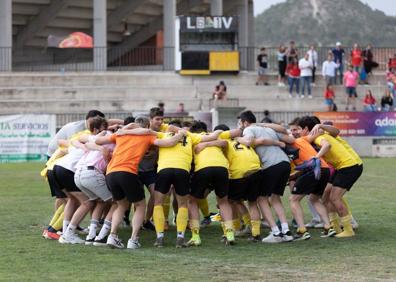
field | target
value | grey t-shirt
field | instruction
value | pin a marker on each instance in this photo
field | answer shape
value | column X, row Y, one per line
column 65, row 132
column 269, row 155
column 149, row 160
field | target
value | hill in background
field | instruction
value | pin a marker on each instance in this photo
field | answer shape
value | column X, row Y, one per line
column 325, row 22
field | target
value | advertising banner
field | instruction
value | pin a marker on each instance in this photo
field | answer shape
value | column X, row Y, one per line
column 25, row 137
column 362, row 123
column 208, row 24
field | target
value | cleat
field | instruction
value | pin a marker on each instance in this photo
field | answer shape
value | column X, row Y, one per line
column 230, row 238
column 287, row 237
column 89, row 241
column 328, row 233
column 100, row 242
column 159, row 242
column 45, row 234
column 345, row 234
column 313, row 223
column 148, row 225
column 114, row 242
column 271, row 238
column 354, row 223
column 133, row 244
column 180, row 242
column 194, row 241
column 72, row 239
column 255, row 239
column 302, row 236
column 206, row 222
column 216, row 217
column 52, row 235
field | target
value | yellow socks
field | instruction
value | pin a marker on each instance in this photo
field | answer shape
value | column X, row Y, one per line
column 301, row 230
column 159, row 219
column 335, row 222
column 246, row 219
column 348, row 231
column 181, row 220
column 236, row 224
column 204, row 207
column 57, row 225
column 56, row 215
column 256, row 224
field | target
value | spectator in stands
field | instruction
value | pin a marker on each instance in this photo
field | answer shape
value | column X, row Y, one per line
column 305, row 66
column 338, row 54
column 356, row 57
column 313, row 58
column 262, row 67
column 369, row 102
column 220, row 91
column 161, row 105
column 293, row 74
column 351, row 78
column 180, row 108
column 292, row 52
column 266, row 118
column 282, row 63
column 329, row 98
column 392, row 63
column 329, row 68
column 387, row 101
column 368, row 62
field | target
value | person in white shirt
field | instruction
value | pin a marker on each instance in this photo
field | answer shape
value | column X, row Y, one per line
column 305, row 66
column 329, row 69
column 313, row 58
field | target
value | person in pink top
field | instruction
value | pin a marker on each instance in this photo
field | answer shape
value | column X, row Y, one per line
column 351, row 78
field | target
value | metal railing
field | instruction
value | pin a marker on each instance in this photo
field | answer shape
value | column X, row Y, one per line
column 142, row 58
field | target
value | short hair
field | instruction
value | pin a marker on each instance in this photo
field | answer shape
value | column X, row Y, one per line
column 198, row 127
column 307, row 121
column 247, row 116
column 222, row 127
column 129, row 120
column 156, row 112
column 97, row 123
column 186, row 124
column 295, row 121
column 262, row 49
column 266, row 112
column 316, row 119
column 143, row 121
column 175, row 122
column 94, row 113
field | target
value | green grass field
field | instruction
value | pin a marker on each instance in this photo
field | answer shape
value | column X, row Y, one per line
column 26, row 208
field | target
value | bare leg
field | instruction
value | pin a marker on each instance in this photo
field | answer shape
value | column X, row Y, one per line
column 138, row 218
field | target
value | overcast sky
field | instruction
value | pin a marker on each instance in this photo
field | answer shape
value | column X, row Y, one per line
column 387, row 6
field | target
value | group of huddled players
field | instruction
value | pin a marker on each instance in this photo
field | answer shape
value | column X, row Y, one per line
column 100, row 167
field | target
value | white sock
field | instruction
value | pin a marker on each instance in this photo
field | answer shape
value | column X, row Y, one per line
column 105, row 229
column 92, row 229
column 65, row 225
column 315, row 215
column 275, row 230
column 160, row 235
column 180, row 235
column 285, row 227
column 70, row 230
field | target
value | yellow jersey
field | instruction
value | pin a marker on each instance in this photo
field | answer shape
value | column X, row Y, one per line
column 350, row 149
column 337, row 156
column 179, row 156
column 242, row 159
column 209, row 157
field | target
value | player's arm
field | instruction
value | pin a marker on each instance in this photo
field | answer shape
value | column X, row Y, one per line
column 216, row 143
column 287, row 138
column 212, row 136
column 136, row 131
column 114, row 121
column 131, row 125
column 325, row 146
column 311, row 137
column 246, row 140
column 101, row 140
column 333, row 131
column 170, row 142
column 237, row 132
column 267, row 142
column 276, row 127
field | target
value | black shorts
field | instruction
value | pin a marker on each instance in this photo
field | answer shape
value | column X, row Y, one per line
column 124, row 184
column 307, row 184
column 246, row 188
column 237, row 189
column 65, row 179
column 56, row 191
column 212, row 178
column 346, row 177
column 180, row 179
column 274, row 179
column 148, row 178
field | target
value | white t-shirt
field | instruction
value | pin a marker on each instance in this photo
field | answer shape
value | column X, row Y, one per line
column 67, row 131
column 305, row 67
column 313, row 57
column 71, row 159
column 329, row 68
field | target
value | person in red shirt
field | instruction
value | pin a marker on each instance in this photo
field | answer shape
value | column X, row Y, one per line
column 356, row 57
column 329, row 97
column 369, row 102
column 293, row 73
column 392, row 63
column 122, row 177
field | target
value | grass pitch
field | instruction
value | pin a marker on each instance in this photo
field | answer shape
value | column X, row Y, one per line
column 26, row 207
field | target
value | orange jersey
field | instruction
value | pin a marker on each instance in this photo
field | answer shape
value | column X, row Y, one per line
column 306, row 152
column 128, row 152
